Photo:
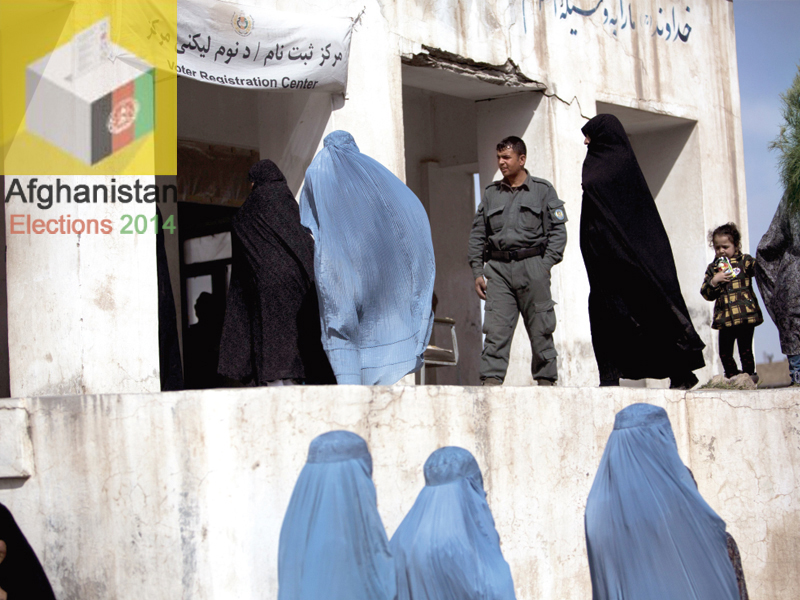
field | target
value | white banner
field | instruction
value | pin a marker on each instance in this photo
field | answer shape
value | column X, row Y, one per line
column 263, row 49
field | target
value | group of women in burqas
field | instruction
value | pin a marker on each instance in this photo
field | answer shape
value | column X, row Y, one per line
column 650, row 535
column 337, row 290
column 340, row 289
column 333, row 544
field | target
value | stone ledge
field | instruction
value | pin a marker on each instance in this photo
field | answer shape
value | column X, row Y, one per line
column 182, row 494
column 16, row 449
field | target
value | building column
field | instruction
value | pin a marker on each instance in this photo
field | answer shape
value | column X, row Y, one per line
column 82, row 307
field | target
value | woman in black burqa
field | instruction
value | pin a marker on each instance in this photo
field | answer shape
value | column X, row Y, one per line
column 21, row 573
column 640, row 323
column 271, row 330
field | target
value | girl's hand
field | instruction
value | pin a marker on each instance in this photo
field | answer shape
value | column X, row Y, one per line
column 720, row 277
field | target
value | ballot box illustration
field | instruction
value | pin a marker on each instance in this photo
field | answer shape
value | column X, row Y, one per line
column 90, row 97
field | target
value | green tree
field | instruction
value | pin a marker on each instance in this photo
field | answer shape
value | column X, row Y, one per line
column 788, row 144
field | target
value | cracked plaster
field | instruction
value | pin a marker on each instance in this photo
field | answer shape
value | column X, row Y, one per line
column 183, row 494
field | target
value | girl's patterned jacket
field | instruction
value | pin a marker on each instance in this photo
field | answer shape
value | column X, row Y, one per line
column 736, row 302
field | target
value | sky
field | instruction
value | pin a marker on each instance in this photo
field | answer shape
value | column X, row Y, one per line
column 768, row 53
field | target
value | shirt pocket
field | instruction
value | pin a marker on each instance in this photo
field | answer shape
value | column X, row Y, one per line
column 496, row 218
column 530, row 215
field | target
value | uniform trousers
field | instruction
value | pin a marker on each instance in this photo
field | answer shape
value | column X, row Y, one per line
column 512, row 288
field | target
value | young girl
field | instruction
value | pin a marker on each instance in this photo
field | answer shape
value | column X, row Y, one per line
column 728, row 281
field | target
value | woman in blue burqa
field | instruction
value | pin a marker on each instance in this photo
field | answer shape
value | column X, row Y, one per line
column 447, row 547
column 333, row 545
column 374, row 264
column 649, row 533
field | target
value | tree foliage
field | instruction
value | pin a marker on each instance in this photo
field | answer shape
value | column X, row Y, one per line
column 788, row 144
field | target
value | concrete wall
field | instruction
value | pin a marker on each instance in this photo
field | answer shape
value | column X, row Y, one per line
column 82, row 309
column 182, row 495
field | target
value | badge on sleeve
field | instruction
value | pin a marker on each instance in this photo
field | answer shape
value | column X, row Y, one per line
column 559, row 214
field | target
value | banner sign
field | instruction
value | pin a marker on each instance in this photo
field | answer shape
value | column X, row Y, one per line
column 262, row 49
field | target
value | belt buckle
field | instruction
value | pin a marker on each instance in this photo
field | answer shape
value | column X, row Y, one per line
column 512, row 255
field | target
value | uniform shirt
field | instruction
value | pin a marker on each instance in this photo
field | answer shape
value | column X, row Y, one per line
column 736, row 302
column 515, row 221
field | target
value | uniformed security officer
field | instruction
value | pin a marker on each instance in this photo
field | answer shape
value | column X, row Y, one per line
column 518, row 234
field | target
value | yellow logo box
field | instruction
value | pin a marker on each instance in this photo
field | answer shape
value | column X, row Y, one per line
column 88, row 87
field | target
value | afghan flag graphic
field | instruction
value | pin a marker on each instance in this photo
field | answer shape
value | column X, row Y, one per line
column 123, row 116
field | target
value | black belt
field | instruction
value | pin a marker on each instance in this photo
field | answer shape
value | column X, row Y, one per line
column 510, row 256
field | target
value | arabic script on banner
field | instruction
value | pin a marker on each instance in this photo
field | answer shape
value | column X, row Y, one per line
column 255, row 48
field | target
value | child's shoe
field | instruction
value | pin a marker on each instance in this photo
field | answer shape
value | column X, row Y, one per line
column 742, row 381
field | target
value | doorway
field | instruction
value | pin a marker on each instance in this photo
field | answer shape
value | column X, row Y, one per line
column 668, row 151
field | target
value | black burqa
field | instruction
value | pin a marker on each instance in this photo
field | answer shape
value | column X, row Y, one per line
column 271, row 328
column 640, row 324
column 21, row 573
column 168, row 345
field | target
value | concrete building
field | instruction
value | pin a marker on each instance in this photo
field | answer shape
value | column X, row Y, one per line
column 126, row 492
column 431, row 89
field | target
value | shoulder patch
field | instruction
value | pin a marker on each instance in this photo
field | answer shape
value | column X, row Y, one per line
column 558, row 212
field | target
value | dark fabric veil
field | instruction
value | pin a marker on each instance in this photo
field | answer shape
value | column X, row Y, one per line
column 447, row 547
column 21, row 573
column 333, row 544
column 778, row 274
column 271, row 328
column 640, row 324
column 649, row 533
column 168, row 345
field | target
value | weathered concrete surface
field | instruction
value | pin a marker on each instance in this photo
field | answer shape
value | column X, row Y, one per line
column 16, row 450
column 182, row 495
column 82, row 309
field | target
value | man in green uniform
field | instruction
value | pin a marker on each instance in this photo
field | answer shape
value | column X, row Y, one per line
column 518, row 234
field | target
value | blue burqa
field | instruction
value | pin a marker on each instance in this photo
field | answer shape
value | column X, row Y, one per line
column 447, row 548
column 373, row 261
column 649, row 533
column 333, row 545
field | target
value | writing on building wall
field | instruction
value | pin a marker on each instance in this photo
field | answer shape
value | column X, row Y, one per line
column 617, row 17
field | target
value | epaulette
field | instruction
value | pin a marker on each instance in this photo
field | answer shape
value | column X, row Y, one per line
column 540, row 180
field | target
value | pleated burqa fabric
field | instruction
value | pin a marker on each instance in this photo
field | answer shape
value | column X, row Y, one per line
column 649, row 533
column 21, row 573
column 778, row 274
column 271, row 329
column 447, row 547
column 373, row 261
column 639, row 320
column 333, row 544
